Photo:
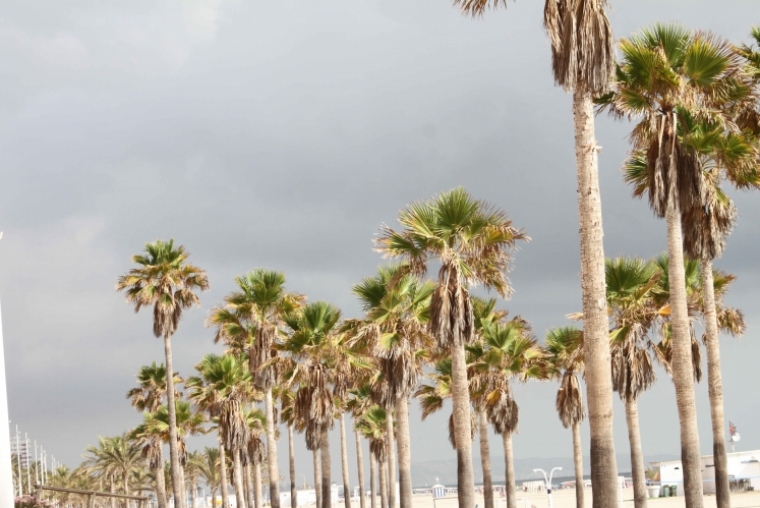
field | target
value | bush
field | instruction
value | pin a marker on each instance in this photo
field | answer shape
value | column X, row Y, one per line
column 31, row 502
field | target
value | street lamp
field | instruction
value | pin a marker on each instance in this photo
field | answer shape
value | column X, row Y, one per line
column 548, row 481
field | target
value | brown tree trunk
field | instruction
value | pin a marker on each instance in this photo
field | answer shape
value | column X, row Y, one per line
column 248, row 485
column 360, row 468
column 258, row 497
column 391, row 440
column 112, row 490
column 344, row 462
column 596, row 337
column 317, row 479
column 179, row 498
column 237, row 479
column 681, row 361
column 403, row 444
column 292, row 464
column 578, row 462
column 485, row 461
column 509, row 470
column 460, row 396
column 213, row 497
column 372, row 480
column 274, row 470
column 637, row 456
column 160, row 480
column 324, row 455
column 715, row 388
column 383, row 473
column 223, row 476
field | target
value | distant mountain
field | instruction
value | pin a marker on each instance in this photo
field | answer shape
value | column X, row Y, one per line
column 426, row 472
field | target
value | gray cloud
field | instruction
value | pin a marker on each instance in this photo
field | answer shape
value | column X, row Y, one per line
column 283, row 134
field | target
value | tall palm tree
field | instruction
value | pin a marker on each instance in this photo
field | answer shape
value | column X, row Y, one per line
column 256, row 308
column 165, row 281
column 148, row 396
column 116, row 456
column 223, row 387
column 372, row 425
column 209, row 469
column 683, row 88
column 507, row 351
column 583, row 62
column 256, row 422
column 287, row 398
column 397, row 306
column 473, row 243
column 565, row 349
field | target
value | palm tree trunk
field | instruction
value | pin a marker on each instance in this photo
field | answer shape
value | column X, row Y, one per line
column 637, row 456
column 160, row 485
column 390, row 439
column 715, row 388
column 237, row 479
column 179, row 498
column 404, row 453
column 194, row 495
column 682, row 366
column 372, row 480
column 382, row 471
column 596, row 337
column 182, row 483
column 324, row 456
column 317, row 479
column 485, row 461
column 292, row 464
column 274, row 470
column 460, row 396
column 223, row 476
column 126, row 490
column 258, row 499
column 213, row 497
column 113, row 490
column 578, row 462
column 344, row 462
column 360, row 468
column 509, row 470
column 248, row 484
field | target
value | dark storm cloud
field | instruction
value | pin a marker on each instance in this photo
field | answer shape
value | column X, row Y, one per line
column 282, row 135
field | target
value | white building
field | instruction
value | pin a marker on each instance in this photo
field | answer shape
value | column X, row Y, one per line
column 741, row 466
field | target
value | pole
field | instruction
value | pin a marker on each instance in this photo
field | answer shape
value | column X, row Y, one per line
column 18, row 463
column 36, row 465
column 26, row 456
column 6, row 465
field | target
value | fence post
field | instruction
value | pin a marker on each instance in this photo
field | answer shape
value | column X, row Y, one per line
column 90, row 501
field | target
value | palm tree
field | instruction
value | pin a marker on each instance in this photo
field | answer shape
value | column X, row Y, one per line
column 360, row 401
column 193, row 474
column 116, row 456
column 565, row 349
column 222, row 389
column 472, row 241
column 684, row 87
column 256, row 422
column 397, row 305
column 287, row 398
column 583, row 62
column 257, row 309
column 373, row 427
column 165, row 281
column 209, row 469
column 507, row 350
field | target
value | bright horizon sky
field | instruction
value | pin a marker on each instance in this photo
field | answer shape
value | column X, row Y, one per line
column 282, row 135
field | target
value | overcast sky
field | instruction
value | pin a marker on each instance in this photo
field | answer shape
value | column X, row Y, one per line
column 282, row 135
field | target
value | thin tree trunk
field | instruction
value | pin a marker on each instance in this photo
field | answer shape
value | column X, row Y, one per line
column 179, row 498
column 248, row 484
column 182, row 484
column 578, row 462
column 404, row 453
column 324, row 456
column 223, row 475
column 460, row 396
column 213, row 497
column 681, row 361
column 258, row 498
column 237, row 479
column 715, row 388
column 372, row 480
column 194, row 495
column 509, row 470
column 596, row 336
column 274, row 470
column 391, row 443
column 126, row 490
column 112, row 490
column 344, row 462
column 485, row 461
column 317, row 479
column 160, row 479
column 637, row 456
column 292, row 464
column 360, row 469
column 383, row 474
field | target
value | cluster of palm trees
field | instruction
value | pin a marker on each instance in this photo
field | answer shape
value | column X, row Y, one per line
column 694, row 97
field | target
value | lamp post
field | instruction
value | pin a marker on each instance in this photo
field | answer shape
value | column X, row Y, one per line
column 548, row 481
